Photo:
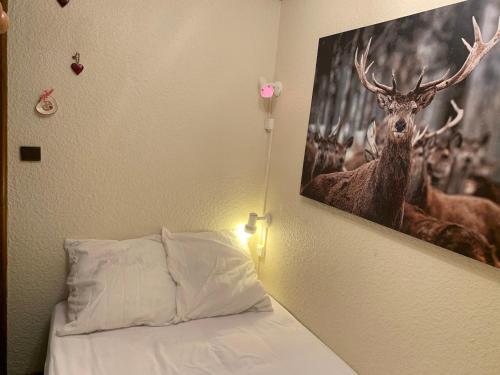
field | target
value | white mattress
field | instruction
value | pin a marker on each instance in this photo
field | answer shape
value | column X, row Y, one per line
column 250, row 343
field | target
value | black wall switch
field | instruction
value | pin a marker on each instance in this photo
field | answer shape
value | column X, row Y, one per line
column 29, row 153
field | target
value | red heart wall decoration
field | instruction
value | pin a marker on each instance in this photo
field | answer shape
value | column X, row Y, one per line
column 77, row 68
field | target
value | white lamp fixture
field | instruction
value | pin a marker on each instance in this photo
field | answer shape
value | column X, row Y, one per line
column 251, row 226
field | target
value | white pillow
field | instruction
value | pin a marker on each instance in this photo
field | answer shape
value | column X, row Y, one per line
column 213, row 276
column 116, row 284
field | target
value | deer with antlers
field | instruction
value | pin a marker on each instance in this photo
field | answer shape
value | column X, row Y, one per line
column 376, row 190
column 476, row 214
column 462, row 167
column 336, row 152
column 324, row 154
column 465, row 158
column 438, row 147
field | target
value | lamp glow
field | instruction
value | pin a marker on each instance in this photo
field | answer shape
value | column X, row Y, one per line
column 242, row 235
column 251, row 228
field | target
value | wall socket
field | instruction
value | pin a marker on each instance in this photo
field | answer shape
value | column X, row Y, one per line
column 31, row 153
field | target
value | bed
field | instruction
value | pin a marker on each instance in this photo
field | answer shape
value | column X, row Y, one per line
column 273, row 343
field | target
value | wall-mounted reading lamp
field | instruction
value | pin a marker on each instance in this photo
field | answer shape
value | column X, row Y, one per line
column 251, row 229
column 4, row 20
column 251, row 226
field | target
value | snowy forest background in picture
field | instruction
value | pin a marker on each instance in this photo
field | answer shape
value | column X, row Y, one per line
column 415, row 150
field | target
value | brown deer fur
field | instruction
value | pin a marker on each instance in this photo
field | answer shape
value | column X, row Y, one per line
column 477, row 214
column 356, row 160
column 483, row 187
column 448, row 235
column 336, row 155
column 323, row 155
column 376, row 190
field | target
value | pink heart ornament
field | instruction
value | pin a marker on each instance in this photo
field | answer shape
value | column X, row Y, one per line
column 77, row 68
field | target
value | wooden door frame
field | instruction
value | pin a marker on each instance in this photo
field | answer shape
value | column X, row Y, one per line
column 3, row 199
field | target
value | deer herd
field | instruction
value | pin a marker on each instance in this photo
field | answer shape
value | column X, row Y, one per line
column 432, row 185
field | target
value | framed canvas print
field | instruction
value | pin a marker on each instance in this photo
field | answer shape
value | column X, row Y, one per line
column 404, row 126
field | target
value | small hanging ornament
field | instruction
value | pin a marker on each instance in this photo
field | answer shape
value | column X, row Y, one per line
column 76, row 66
column 47, row 105
column 63, row 3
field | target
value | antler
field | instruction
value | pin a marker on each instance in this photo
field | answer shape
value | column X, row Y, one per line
column 371, row 136
column 476, row 54
column 420, row 135
column 336, row 130
column 363, row 70
column 451, row 123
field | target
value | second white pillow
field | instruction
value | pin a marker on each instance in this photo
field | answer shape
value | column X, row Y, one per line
column 213, row 277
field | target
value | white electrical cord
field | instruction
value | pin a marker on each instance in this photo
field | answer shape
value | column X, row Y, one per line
column 265, row 229
column 268, row 160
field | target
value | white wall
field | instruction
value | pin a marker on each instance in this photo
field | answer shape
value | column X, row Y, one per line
column 163, row 126
column 385, row 302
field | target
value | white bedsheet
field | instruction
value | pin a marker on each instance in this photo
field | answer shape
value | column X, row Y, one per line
column 251, row 343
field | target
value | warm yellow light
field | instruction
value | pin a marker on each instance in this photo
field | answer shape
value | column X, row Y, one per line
column 242, row 235
column 257, row 240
